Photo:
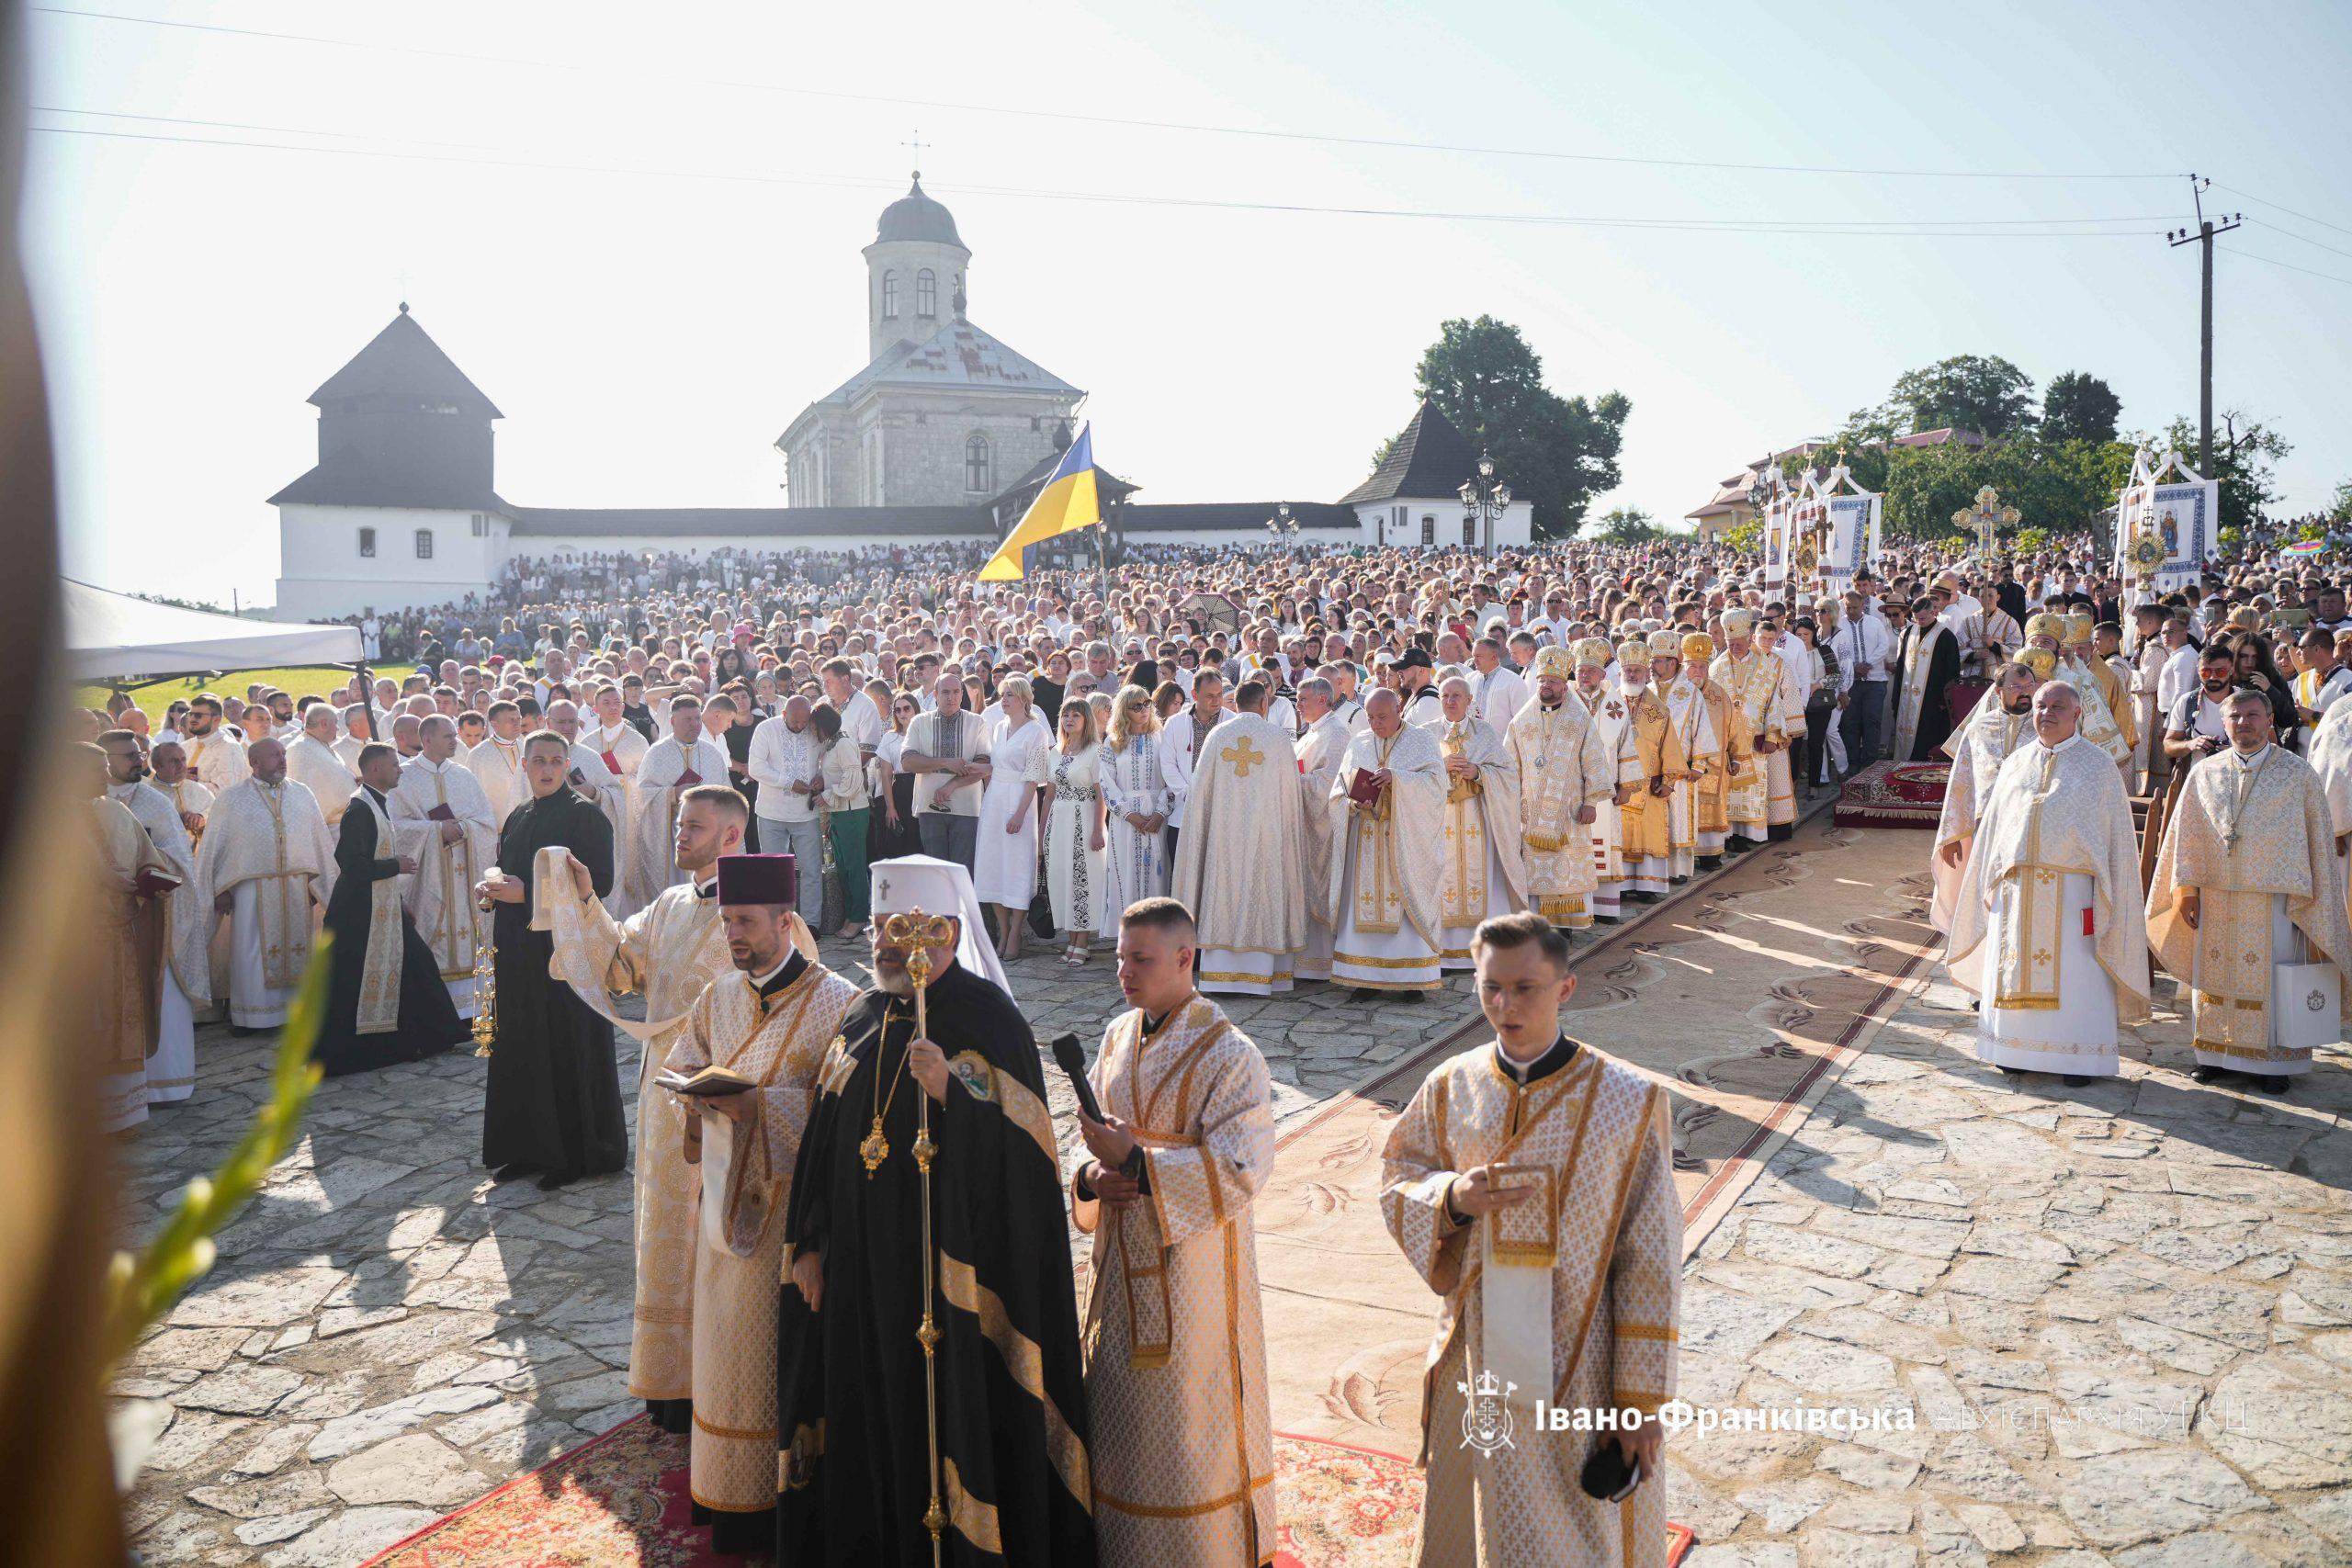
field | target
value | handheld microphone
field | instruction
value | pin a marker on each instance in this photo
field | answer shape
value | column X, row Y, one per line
column 1072, row 1058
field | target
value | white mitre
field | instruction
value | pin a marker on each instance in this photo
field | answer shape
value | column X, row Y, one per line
column 936, row 886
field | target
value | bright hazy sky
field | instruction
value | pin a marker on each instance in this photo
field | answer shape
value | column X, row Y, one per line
column 651, row 317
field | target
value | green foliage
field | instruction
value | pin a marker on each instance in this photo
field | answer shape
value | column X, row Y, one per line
column 2030, row 539
column 1628, row 525
column 2058, row 486
column 302, row 681
column 2340, row 509
column 1981, row 393
column 2078, row 406
column 2243, row 451
column 1747, row 538
column 141, row 1289
column 1556, row 452
column 2310, row 528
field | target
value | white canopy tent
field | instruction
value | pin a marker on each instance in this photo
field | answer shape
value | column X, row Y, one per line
column 115, row 638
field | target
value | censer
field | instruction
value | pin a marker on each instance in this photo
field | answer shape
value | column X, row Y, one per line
column 485, row 990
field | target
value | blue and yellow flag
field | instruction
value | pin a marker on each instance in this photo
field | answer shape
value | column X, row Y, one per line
column 1067, row 503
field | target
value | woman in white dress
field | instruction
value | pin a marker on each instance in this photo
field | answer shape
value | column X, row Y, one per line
column 1135, row 801
column 1068, row 771
column 1004, row 860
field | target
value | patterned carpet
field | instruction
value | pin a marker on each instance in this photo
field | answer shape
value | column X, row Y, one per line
column 1894, row 795
column 620, row 1502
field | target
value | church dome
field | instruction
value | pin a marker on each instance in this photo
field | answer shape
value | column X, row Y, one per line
column 915, row 216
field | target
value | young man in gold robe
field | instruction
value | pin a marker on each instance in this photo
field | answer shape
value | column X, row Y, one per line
column 1671, row 710
column 2246, row 884
column 1531, row 1183
column 667, row 953
column 771, row 1021
column 1565, row 773
column 1483, row 869
column 1647, row 817
column 1388, row 834
column 1175, row 1351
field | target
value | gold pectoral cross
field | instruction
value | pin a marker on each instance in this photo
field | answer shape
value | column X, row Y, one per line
column 874, row 1148
column 1243, row 756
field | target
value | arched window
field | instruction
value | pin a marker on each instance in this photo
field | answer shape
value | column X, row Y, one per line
column 890, row 293
column 926, row 293
column 976, row 464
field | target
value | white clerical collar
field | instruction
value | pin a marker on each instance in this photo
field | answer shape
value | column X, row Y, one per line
column 2249, row 758
column 2061, row 746
column 123, row 791
column 760, row 982
column 707, row 886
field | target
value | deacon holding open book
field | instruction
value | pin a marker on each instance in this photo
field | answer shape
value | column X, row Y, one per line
column 1531, row 1183
column 994, row 1427
column 745, row 1067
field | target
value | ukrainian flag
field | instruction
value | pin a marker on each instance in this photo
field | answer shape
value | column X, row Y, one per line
column 1067, row 503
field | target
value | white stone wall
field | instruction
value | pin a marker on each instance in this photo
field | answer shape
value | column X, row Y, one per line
column 923, row 443
column 322, row 571
column 1403, row 521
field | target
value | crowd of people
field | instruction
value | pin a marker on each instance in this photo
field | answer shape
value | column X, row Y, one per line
column 1241, row 773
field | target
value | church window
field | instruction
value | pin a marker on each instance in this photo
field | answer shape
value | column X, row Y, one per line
column 976, row 464
column 368, row 544
column 482, row 525
column 425, row 543
column 890, row 293
column 1429, row 530
column 926, row 293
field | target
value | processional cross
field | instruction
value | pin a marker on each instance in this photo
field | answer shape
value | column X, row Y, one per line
column 1989, row 515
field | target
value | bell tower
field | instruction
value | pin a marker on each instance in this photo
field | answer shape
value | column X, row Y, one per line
column 915, row 272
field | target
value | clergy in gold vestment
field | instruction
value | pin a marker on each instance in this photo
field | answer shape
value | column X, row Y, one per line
column 2048, row 930
column 1175, row 1352
column 1483, row 874
column 1241, row 861
column 1387, row 815
column 441, row 816
column 1605, row 705
column 1754, row 679
column 677, row 762
column 267, row 863
column 1677, row 734
column 128, row 974
column 771, row 1021
column 1565, row 773
column 1531, row 1184
column 1645, row 817
column 2247, row 886
column 666, row 953
column 2093, row 676
column 1978, row 749
column 1733, row 753
column 498, row 761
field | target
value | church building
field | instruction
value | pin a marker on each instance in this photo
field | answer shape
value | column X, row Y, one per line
column 947, row 433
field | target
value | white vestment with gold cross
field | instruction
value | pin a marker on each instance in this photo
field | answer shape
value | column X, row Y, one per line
column 1241, row 859
column 1319, row 751
column 266, row 846
column 2251, row 836
column 1977, row 750
column 1385, row 864
column 1569, row 1298
column 441, row 893
column 1605, row 704
column 1483, row 872
column 739, row 1240
column 1761, row 794
column 2048, row 930
column 667, row 953
column 1564, row 767
column 1175, row 1351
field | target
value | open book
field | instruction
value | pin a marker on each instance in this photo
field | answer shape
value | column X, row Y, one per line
column 708, row 1081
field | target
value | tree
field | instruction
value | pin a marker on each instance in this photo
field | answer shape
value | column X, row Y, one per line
column 1556, row 452
column 2079, row 407
column 2244, row 450
column 2340, row 509
column 1983, row 393
column 1628, row 525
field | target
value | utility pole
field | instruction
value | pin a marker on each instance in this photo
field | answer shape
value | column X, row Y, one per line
column 2203, row 236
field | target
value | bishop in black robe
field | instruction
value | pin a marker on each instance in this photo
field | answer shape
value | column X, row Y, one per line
column 554, row 1099
column 428, row 1022
column 851, row 1417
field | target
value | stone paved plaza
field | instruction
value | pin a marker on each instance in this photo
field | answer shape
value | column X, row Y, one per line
column 2121, row 1314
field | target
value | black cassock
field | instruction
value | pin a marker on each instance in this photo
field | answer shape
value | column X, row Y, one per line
column 428, row 1023
column 554, row 1098
column 850, row 1418
column 1935, row 702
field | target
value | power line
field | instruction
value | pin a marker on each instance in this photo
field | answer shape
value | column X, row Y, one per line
column 2303, row 238
column 1126, row 122
column 2042, row 228
column 2290, row 211
column 2291, row 266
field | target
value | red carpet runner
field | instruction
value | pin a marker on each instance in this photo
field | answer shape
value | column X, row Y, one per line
column 620, row 1502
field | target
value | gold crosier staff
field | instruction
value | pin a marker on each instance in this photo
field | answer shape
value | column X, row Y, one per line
column 918, row 933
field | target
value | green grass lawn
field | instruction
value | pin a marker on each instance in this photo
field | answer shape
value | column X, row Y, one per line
column 302, row 681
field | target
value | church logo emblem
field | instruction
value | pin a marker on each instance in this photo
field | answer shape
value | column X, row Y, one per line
column 2316, row 1001
column 1486, row 1420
